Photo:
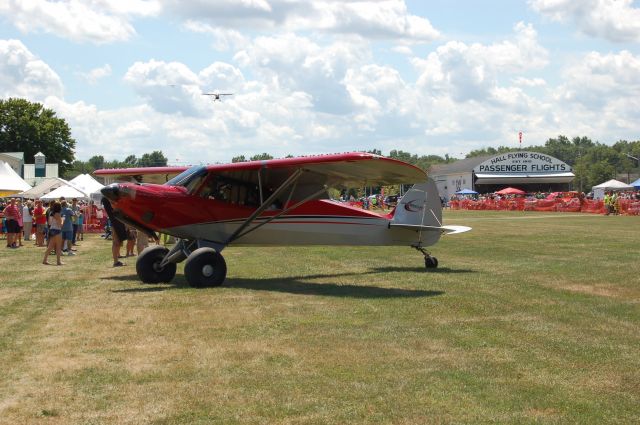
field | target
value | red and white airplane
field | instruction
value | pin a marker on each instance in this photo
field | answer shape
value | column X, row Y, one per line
column 269, row 202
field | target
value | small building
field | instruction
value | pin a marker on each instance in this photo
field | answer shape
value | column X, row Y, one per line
column 15, row 161
column 529, row 171
column 34, row 173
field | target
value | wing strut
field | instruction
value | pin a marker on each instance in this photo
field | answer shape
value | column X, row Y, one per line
column 266, row 204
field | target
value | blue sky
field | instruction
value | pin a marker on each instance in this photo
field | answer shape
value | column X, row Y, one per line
column 320, row 76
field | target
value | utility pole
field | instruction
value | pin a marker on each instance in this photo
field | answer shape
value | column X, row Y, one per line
column 637, row 159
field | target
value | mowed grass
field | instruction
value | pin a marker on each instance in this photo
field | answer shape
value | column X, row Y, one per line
column 530, row 318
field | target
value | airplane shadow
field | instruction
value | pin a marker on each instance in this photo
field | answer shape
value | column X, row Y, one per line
column 300, row 285
column 439, row 270
column 294, row 286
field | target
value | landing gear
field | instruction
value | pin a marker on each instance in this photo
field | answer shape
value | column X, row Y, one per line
column 429, row 261
column 149, row 268
column 205, row 267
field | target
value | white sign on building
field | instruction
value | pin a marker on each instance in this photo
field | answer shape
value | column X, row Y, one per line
column 522, row 162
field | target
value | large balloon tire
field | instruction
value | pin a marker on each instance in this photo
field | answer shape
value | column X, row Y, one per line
column 205, row 267
column 148, row 265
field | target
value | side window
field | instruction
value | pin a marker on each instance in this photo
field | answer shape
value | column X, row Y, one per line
column 229, row 190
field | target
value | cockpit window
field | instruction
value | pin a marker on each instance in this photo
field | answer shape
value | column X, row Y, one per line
column 230, row 190
column 189, row 178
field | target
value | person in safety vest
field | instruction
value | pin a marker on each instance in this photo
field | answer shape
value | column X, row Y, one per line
column 614, row 203
column 607, row 203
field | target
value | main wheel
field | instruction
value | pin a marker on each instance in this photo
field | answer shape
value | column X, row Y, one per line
column 205, row 267
column 148, row 265
column 430, row 262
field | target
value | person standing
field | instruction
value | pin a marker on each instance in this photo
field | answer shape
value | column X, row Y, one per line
column 142, row 241
column 11, row 216
column 67, row 228
column 74, row 219
column 607, row 203
column 118, row 234
column 40, row 220
column 55, row 228
column 27, row 220
column 20, row 223
column 80, row 220
column 132, row 234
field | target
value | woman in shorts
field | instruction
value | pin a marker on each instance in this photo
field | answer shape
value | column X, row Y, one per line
column 55, row 233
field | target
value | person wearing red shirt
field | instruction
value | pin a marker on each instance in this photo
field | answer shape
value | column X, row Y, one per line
column 12, row 216
column 40, row 219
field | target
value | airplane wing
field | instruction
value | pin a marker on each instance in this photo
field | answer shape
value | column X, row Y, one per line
column 158, row 175
column 355, row 169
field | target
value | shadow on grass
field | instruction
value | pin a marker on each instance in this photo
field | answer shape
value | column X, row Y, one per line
column 443, row 270
column 292, row 285
column 295, row 286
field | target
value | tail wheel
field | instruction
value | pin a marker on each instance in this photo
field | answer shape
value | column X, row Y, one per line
column 430, row 262
column 205, row 267
column 148, row 265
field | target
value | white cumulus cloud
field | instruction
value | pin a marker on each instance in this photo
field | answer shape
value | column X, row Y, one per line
column 96, row 74
column 373, row 19
column 22, row 74
column 470, row 72
column 96, row 21
column 613, row 20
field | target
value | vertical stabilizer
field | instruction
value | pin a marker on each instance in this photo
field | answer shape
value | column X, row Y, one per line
column 420, row 206
column 420, row 210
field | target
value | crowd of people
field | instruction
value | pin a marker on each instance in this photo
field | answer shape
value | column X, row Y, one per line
column 58, row 225
column 614, row 202
column 628, row 194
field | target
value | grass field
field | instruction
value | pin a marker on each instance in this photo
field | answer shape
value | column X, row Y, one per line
column 531, row 318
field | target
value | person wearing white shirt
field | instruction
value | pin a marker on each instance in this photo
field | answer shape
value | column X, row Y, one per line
column 27, row 220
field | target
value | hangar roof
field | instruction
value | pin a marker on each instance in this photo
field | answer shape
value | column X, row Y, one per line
column 461, row 166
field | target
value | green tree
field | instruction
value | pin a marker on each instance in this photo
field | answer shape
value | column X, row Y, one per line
column 240, row 158
column 260, row 157
column 490, row 151
column 96, row 162
column 77, row 168
column 131, row 161
column 153, row 159
column 31, row 128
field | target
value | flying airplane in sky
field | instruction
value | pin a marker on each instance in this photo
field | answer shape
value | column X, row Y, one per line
column 216, row 96
column 269, row 202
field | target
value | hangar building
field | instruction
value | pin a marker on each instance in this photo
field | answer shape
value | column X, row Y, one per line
column 529, row 171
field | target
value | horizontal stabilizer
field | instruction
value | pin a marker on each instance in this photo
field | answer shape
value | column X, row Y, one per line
column 449, row 230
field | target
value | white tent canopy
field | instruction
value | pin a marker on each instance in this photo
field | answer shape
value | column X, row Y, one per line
column 65, row 191
column 81, row 187
column 613, row 184
column 10, row 181
column 44, row 187
column 86, row 183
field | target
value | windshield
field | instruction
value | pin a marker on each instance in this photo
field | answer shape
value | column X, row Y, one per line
column 188, row 176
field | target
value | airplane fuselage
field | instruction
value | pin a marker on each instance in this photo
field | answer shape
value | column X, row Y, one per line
column 172, row 210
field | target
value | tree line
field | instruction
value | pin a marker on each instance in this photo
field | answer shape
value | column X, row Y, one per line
column 31, row 128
